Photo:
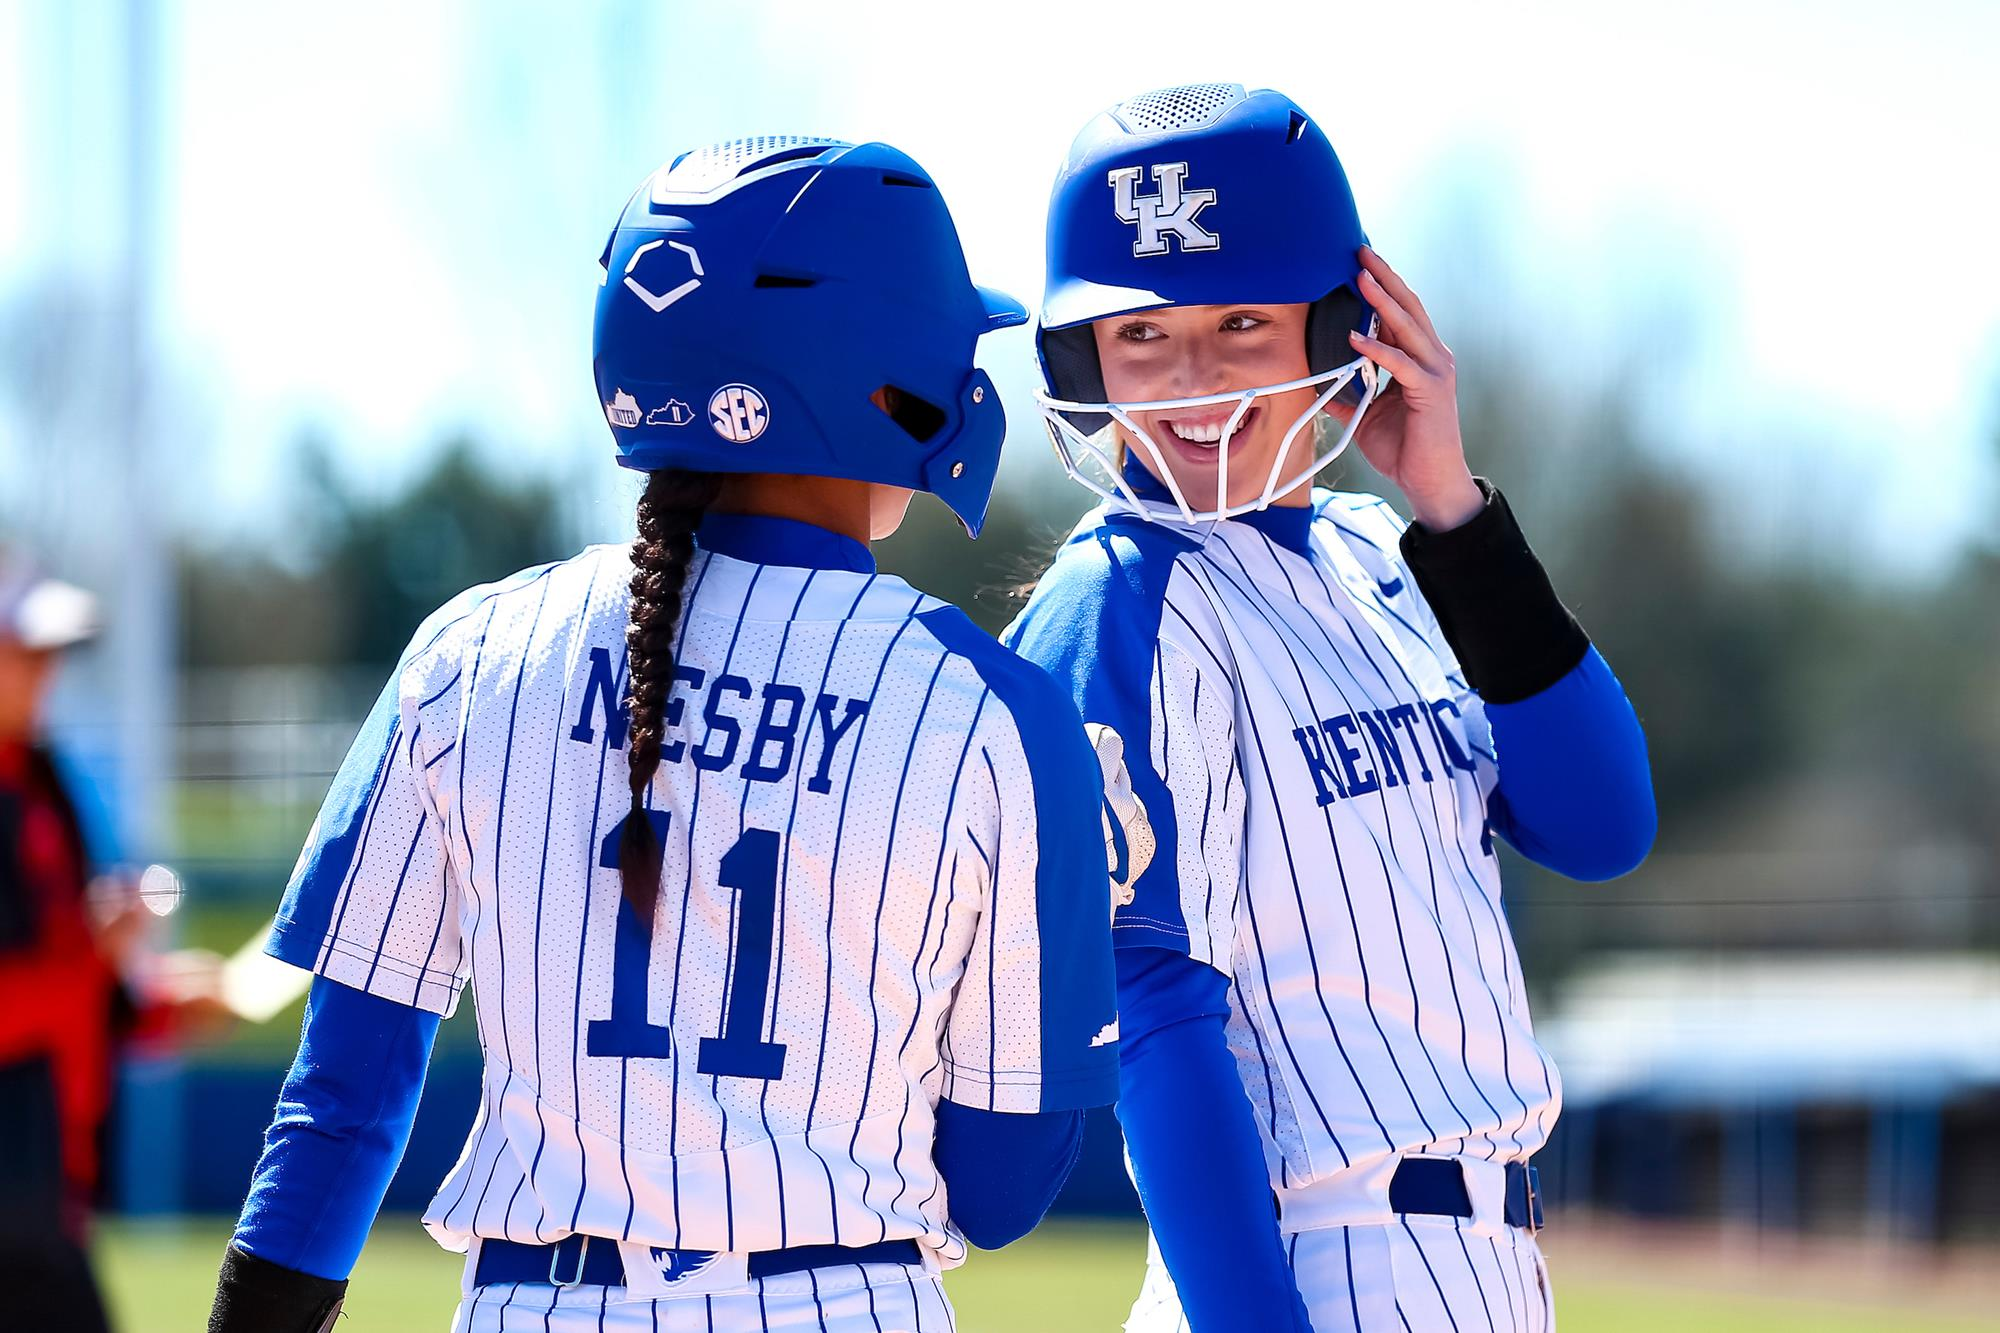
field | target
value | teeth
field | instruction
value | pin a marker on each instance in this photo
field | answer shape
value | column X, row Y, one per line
column 1209, row 434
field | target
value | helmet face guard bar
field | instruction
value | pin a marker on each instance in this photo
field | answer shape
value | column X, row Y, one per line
column 1087, row 458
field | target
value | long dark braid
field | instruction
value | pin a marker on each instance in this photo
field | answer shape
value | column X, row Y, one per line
column 669, row 511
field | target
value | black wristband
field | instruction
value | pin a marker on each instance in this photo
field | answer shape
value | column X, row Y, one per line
column 254, row 1295
column 1493, row 600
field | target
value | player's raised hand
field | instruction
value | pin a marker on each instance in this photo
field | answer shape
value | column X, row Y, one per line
column 1410, row 434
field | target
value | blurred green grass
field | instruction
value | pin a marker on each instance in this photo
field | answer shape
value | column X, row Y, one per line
column 1069, row 1277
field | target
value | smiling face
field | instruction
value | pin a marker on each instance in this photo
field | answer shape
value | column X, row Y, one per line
column 1195, row 351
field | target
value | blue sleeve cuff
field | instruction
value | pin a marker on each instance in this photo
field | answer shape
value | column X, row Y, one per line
column 1576, row 788
column 342, row 1122
column 1002, row 1171
column 1162, row 986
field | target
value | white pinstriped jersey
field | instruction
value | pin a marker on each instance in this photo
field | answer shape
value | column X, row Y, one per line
column 1318, row 784
column 884, row 883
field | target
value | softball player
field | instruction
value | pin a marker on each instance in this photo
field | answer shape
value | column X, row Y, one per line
column 1327, row 715
column 779, row 886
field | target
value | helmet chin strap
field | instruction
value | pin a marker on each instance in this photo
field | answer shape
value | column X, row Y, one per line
column 1074, row 449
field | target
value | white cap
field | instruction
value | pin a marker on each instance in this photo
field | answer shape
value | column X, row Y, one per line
column 39, row 612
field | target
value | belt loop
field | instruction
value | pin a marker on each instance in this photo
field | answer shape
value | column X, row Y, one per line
column 1534, row 1183
column 555, row 1261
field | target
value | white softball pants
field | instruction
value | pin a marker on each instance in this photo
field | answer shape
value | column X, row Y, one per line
column 1417, row 1275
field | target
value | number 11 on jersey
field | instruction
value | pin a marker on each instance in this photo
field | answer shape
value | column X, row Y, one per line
column 750, row 867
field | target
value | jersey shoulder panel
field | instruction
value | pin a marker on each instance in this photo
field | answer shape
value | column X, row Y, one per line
column 1369, row 531
column 1367, row 525
column 1099, row 610
column 1037, row 709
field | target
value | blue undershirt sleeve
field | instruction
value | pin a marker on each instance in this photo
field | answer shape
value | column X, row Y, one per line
column 1002, row 1171
column 1192, row 1139
column 1575, row 791
column 342, row 1122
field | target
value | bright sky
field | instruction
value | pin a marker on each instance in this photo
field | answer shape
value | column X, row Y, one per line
column 385, row 217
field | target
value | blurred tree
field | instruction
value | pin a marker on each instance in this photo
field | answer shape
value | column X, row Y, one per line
column 360, row 571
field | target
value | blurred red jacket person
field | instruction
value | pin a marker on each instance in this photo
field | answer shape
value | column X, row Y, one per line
column 56, row 991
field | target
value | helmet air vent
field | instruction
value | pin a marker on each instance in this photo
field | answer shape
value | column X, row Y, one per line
column 706, row 169
column 1189, row 106
column 920, row 418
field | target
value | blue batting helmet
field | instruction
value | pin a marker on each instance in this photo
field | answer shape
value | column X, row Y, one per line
column 1199, row 195
column 758, row 296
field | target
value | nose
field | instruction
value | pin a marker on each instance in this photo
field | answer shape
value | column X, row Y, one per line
column 1198, row 371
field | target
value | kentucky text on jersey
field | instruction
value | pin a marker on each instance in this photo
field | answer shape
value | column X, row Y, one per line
column 883, row 884
column 1352, row 773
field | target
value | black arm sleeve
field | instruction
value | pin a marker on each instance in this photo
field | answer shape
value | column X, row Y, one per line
column 254, row 1295
column 1493, row 600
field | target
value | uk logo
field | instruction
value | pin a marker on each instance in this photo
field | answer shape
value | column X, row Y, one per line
column 738, row 413
column 677, row 1266
column 1170, row 212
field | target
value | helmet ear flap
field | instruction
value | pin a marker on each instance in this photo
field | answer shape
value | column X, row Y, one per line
column 1069, row 359
column 1328, row 322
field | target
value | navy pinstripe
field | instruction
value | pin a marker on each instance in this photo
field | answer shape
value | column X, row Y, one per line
column 583, row 940
column 992, row 943
column 1347, row 896
column 423, row 826
column 819, row 1071
column 916, row 963
column 687, row 890
column 1429, row 866
column 1279, row 622
column 367, row 828
column 499, row 832
column 541, row 899
column 875, row 955
column 1437, row 819
column 1478, row 951
column 826, row 674
column 784, row 882
column 487, row 1094
column 1444, row 1301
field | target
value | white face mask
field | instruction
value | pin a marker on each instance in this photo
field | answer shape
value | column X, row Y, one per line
column 1092, row 459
